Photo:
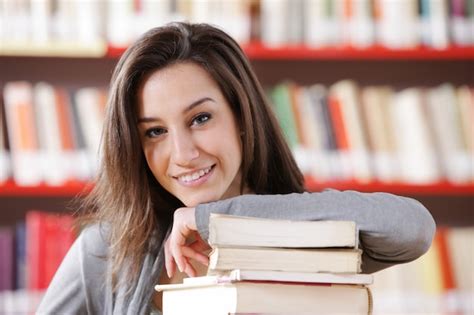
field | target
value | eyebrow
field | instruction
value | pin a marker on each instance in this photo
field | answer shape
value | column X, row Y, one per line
column 187, row 109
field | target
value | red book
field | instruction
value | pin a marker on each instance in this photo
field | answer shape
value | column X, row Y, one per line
column 340, row 129
column 447, row 275
column 48, row 238
column 35, row 250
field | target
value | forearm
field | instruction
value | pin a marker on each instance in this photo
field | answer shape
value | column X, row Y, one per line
column 392, row 229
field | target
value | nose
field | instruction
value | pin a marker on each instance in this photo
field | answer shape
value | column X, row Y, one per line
column 184, row 150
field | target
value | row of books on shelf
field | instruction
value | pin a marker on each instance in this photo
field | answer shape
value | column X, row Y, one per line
column 440, row 282
column 342, row 132
column 417, row 135
column 316, row 23
column 53, row 133
column 31, row 252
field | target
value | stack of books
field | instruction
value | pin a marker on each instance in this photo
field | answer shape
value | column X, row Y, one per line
column 270, row 266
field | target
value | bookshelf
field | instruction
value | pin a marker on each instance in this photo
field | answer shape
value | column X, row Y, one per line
column 414, row 67
column 75, row 65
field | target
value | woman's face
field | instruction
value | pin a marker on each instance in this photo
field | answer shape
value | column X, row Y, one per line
column 189, row 135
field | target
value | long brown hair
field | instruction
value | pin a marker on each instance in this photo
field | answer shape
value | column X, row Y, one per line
column 126, row 196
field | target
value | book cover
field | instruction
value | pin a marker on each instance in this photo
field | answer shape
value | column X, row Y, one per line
column 265, row 297
column 227, row 230
column 301, row 260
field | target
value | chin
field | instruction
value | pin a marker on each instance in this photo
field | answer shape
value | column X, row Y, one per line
column 196, row 200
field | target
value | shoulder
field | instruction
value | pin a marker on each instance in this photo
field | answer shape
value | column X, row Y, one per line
column 94, row 239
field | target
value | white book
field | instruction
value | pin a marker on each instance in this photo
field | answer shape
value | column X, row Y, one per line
column 90, row 117
column 268, row 297
column 398, row 24
column 376, row 105
column 120, row 18
column 40, row 21
column 64, row 22
column 414, row 145
column 231, row 16
column 90, row 22
column 50, row 150
column 228, row 230
column 17, row 22
column 316, row 23
column 465, row 96
column 438, row 24
column 360, row 26
column 295, row 9
column 274, row 22
column 447, row 127
column 286, row 259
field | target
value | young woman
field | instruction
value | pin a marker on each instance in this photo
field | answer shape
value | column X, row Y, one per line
column 189, row 132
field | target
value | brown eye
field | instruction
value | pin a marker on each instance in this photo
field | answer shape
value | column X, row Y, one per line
column 201, row 118
column 154, row 132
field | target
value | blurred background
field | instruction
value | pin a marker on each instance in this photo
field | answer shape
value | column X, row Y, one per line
column 373, row 95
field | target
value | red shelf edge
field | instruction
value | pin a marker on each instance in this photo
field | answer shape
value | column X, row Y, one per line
column 70, row 189
column 258, row 51
column 436, row 189
column 10, row 189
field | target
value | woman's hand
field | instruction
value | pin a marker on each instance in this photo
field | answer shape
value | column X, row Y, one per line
column 178, row 247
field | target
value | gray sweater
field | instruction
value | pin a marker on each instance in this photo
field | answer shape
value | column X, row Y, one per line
column 392, row 229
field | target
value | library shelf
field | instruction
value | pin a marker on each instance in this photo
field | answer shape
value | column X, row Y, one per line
column 259, row 51
column 443, row 188
column 72, row 189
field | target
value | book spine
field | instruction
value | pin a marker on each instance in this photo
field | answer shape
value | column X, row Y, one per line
column 22, row 133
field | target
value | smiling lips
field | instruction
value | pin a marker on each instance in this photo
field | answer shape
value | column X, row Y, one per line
column 195, row 177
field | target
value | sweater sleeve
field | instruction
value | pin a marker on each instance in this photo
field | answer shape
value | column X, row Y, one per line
column 392, row 229
column 77, row 286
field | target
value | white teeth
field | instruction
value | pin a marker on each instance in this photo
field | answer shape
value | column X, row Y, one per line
column 195, row 175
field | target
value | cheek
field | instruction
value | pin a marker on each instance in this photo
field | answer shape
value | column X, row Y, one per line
column 233, row 149
column 156, row 162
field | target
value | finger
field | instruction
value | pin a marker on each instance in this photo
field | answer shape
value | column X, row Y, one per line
column 170, row 264
column 198, row 256
column 189, row 270
column 178, row 257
